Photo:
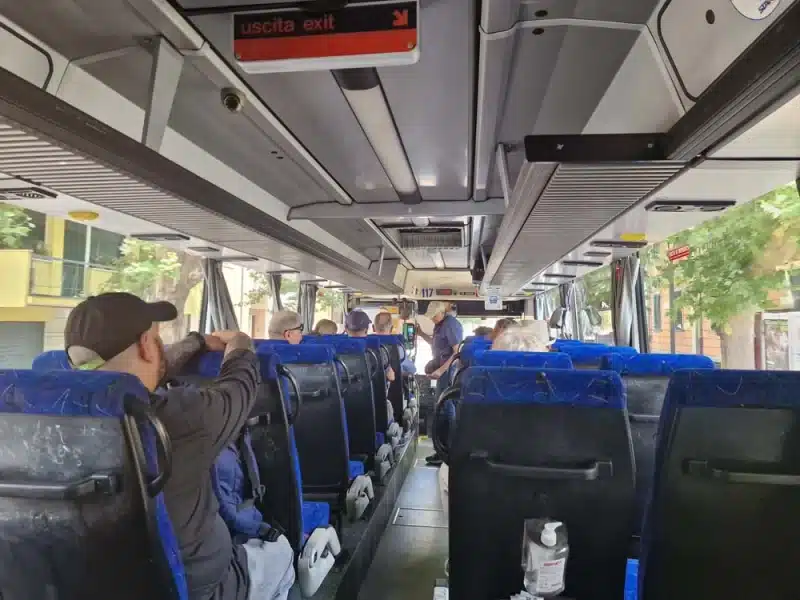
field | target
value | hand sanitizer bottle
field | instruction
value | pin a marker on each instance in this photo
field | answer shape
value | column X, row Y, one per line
column 545, row 558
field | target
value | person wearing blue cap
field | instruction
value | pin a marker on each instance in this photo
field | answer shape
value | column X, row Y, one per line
column 357, row 323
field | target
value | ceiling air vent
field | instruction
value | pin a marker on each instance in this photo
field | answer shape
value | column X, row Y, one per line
column 618, row 244
column 203, row 249
column 581, row 263
column 161, row 237
column 683, row 206
column 434, row 238
column 597, row 254
column 28, row 193
column 550, row 283
column 558, row 276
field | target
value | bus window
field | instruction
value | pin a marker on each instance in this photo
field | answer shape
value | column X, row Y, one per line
column 593, row 306
column 732, row 288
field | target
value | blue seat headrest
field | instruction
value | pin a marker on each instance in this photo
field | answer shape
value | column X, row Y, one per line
column 536, row 360
column 722, row 388
column 389, row 339
column 341, row 344
column 301, row 353
column 52, row 360
column 267, row 342
column 209, row 364
column 654, row 364
column 80, row 393
column 589, row 354
column 206, row 364
column 373, row 342
column 503, row 385
column 468, row 350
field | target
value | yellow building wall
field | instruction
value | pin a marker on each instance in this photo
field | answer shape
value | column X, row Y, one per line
column 28, row 314
column 15, row 270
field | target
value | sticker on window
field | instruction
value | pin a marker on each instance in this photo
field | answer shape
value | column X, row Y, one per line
column 756, row 9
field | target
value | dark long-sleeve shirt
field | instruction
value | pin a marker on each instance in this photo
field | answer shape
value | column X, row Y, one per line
column 201, row 422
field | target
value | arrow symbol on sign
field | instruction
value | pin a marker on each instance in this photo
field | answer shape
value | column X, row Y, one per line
column 400, row 18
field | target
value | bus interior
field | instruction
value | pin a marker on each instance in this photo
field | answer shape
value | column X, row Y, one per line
column 621, row 176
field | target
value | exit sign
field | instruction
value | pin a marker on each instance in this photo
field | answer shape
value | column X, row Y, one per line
column 680, row 253
column 371, row 34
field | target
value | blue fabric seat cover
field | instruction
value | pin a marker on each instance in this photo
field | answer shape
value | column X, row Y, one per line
column 93, row 394
column 534, row 360
column 512, row 385
column 52, row 360
column 653, row 364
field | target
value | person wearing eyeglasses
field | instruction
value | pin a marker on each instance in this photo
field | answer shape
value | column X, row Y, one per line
column 286, row 325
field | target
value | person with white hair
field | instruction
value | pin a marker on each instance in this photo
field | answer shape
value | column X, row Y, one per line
column 520, row 339
column 286, row 325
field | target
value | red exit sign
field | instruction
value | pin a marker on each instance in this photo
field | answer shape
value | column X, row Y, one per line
column 356, row 30
column 680, row 253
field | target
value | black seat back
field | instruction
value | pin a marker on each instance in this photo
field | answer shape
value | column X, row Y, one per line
column 723, row 518
column 393, row 346
column 356, row 386
column 534, row 443
column 321, row 431
column 646, row 377
column 377, row 356
column 82, row 513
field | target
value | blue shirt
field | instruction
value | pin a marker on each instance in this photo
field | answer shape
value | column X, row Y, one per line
column 406, row 366
column 446, row 334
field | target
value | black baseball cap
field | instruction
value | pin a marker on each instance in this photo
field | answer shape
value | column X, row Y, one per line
column 106, row 325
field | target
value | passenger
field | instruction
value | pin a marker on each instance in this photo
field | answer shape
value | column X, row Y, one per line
column 383, row 326
column 286, row 325
column 501, row 326
column 119, row 332
column 326, row 327
column 520, row 339
column 447, row 336
column 357, row 325
column 482, row 331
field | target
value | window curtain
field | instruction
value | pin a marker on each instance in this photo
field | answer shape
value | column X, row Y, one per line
column 220, row 312
column 566, row 293
column 624, row 284
column 307, row 304
column 274, row 280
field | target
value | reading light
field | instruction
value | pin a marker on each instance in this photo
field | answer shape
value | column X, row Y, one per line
column 362, row 89
column 83, row 215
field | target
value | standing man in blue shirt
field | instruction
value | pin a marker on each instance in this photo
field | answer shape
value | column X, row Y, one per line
column 447, row 337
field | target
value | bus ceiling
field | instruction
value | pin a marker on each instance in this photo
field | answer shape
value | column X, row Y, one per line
column 434, row 152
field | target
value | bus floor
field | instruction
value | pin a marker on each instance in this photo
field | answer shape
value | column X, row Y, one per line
column 412, row 552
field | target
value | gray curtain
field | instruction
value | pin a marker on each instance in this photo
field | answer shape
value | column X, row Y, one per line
column 275, row 289
column 567, row 298
column 626, row 274
column 220, row 312
column 307, row 304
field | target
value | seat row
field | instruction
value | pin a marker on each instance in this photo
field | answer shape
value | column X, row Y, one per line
column 72, row 437
column 534, row 442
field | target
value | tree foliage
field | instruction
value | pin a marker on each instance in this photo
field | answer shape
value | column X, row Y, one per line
column 736, row 259
column 15, row 225
column 328, row 301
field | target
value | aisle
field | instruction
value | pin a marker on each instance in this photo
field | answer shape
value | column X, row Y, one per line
column 413, row 550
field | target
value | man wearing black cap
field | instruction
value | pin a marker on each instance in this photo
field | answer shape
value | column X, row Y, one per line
column 119, row 332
